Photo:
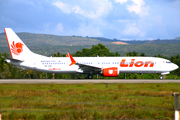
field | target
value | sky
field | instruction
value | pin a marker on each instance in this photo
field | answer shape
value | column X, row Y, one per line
column 120, row 19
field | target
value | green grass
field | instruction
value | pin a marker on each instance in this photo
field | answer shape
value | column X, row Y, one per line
column 87, row 101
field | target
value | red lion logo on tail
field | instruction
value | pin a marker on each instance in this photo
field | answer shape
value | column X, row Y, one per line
column 17, row 48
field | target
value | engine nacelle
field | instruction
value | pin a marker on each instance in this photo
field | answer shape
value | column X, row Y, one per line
column 110, row 72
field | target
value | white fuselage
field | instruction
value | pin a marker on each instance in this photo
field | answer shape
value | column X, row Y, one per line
column 61, row 64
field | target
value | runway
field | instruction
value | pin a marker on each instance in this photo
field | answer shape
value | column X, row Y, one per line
column 82, row 81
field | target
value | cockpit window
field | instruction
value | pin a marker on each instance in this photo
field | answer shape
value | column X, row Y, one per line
column 168, row 62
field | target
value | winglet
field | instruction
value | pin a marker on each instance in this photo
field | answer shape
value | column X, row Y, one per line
column 72, row 60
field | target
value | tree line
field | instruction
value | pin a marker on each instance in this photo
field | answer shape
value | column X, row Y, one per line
column 8, row 71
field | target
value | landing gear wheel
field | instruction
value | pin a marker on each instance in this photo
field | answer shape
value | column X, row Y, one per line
column 161, row 77
column 90, row 76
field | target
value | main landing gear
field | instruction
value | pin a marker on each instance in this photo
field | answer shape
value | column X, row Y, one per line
column 90, row 76
column 161, row 77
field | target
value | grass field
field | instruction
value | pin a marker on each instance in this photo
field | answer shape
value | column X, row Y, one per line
column 87, row 101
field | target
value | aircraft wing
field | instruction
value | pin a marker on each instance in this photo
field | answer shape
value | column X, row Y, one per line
column 85, row 68
column 88, row 67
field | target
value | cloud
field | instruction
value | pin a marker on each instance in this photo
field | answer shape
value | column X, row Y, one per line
column 81, row 30
column 78, row 10
column 64, row 7
column 59, row 28
column 96, row 9
column 120, row 1
column 132, row 30
column 87, row 30
column 138, row 7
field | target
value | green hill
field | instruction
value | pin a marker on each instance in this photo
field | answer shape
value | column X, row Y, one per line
column 40, row 39
column 158, row 41
column 50, row 44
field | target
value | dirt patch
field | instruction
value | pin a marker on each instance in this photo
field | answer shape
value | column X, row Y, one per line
column 120, row 43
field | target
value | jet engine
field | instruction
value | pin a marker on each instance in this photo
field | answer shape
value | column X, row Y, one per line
column 110, row 72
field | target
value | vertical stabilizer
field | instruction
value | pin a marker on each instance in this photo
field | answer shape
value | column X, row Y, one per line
column 17, row 48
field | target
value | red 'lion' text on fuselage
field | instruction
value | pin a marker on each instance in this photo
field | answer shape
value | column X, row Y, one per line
column 136, row 64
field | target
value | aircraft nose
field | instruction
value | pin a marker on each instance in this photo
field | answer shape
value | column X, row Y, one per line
column 175, row 66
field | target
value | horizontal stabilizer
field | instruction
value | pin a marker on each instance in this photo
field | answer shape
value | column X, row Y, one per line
column 13, row 60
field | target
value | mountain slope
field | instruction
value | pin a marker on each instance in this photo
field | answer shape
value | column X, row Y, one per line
column 40, row 39
column 176, row 40
column 50, row 44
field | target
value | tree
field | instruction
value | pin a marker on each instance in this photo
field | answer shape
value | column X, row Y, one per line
column 142, row 54
column 132, row 54
column 99, row 50
column 56, row 54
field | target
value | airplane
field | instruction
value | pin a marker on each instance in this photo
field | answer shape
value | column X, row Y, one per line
column 23, row 57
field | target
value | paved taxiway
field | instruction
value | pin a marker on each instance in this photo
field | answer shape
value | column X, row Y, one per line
column 80, row 81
